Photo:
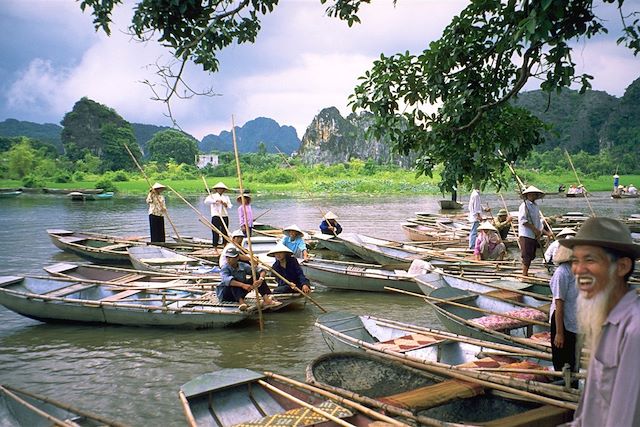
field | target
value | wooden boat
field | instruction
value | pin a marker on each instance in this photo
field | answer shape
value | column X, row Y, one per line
column 433, row 398
column 344, row 331
column 24, row 408
column 449, row 204
column 104, row 248
column 334, row 244
column 81, row 197
column 357, row 276
column 524, row 322
column 138, row 279
column 65, row 191
column 424, row 233
column 10, row 194
column 164, row 260
column 60, row 300
column 380, row 251
column 624, row 196
column 231, row 397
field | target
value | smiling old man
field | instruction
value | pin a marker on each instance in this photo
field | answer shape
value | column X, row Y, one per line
column 609, row 317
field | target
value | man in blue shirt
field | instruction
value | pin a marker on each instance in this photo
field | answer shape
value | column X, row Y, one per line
column 237, row 281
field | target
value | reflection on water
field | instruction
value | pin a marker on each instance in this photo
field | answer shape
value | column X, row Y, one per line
column 133, row 374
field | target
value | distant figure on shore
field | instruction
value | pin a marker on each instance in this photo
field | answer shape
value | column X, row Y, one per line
column 573, row 189
column 632, row 189
column 489, row 246
column 245, row 213
column 329, row 224
column 219, row 202
column 157, row 209
column 561, row 188
column 502, row 222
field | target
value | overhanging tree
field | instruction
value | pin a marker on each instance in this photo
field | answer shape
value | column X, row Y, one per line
column 484, row 57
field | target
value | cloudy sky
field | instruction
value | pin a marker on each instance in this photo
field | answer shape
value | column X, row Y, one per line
column 302, row 62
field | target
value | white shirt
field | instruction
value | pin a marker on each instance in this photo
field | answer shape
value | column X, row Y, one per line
column 475, row 207
column 218, row 209
column 529, row 212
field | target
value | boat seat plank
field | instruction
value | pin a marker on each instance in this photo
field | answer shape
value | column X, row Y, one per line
column 505, row 294
column 121, row 295
column 235, row 405
column 176, row 260
column 68, row 290
column 114, row 247
column 202, row 414
column 131, row 277
column 434, row 395
column 408, row 342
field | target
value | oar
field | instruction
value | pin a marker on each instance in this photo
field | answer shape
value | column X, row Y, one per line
column 584, row 192
column 187, row 409
column 257, row 217
column 166, row 212
column 334, row 397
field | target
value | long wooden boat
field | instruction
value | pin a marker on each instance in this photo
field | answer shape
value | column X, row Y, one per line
column 382, row 251
column 59, row 300
column 357, row 276
column 434, row 399
column 524, row 323
column 10, row 194
column 139, row 279
column 624, row 196
column 424, row 233
column 81, row 197
column 103, row 248
column 24, row 408
column 65, row 191
column 233, row 397
column 334, row 244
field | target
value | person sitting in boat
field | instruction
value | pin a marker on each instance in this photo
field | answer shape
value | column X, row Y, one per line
column 245, row 213
column 631, row 189
column 157, row 209
column 565, row 233
column 329, row 224
column 237, row 236
column 489, row 246
column 561, row 188
column 572, row 189
column 287, row 266
column 502, row 222
column 237, row 281
column 294, row 240
column 581, row 190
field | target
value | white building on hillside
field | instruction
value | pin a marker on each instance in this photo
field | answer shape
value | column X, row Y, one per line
column 206, row 159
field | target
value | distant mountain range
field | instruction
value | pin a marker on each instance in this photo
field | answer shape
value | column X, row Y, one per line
column 249, row 137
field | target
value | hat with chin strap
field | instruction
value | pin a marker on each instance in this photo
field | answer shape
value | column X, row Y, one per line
column 606, row 233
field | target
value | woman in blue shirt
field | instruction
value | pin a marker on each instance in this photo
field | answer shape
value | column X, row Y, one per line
column 293, row 239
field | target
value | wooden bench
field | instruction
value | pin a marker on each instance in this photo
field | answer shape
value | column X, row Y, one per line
column 120, row 295
column 114, row 246
column 131, row 277
column 70, row 289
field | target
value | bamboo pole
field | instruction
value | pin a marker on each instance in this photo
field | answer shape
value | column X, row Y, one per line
column 40, row 412
column 187, row 409
column 529, row 371
column 175, row 230
column 584, row 192
column 355, row 405
column 247, row 229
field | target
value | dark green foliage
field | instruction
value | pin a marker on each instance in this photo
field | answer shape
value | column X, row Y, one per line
column 63, row 177
column 47, row 133
column 145, row 132
column 114, row 155
column 106, row 184
column 32, row 181
column 173, row 144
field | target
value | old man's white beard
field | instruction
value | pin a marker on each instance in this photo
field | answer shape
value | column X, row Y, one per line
column 593, row 312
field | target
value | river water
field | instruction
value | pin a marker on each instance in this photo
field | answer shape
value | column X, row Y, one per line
column 133, row 374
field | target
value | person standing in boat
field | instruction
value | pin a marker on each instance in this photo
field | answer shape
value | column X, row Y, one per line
column 288, row 267
column 475, row 214
column 530, row 226
column 562, row 314
column 237, row 281
column 609, row 319
column 502, row 222
column 219, row 202
column 157, row 209
column 565, row 233
column 329, row 224
column 488, row 246
column 245, row 213
column 294, row 240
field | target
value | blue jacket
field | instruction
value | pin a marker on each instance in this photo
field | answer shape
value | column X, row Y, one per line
column 324, row 228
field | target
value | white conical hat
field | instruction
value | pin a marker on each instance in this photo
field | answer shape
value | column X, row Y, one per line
column 220, row 185
column 293, row 227
column 237, row 233
column 532, row 189
column 158, row 186
column 487, row 226
column 279, row 248
column 330, row 215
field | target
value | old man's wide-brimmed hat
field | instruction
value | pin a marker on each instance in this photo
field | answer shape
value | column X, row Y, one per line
column 279, row 248
column 158, row 186
column 531, row 189
column 607, row 233
column 487, row 226
column 220, row 185
column 330, row 215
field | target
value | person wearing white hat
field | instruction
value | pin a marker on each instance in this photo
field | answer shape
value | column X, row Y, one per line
column 565, row 233
column 219, row 202
column 294, row 240
column 245, row 213
column 236, row 281
column 631, row 189
column 329, row 224
column 287, row 266
column 157, row 209
column 237, row 236
column 488, row 245
column 530, row 226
